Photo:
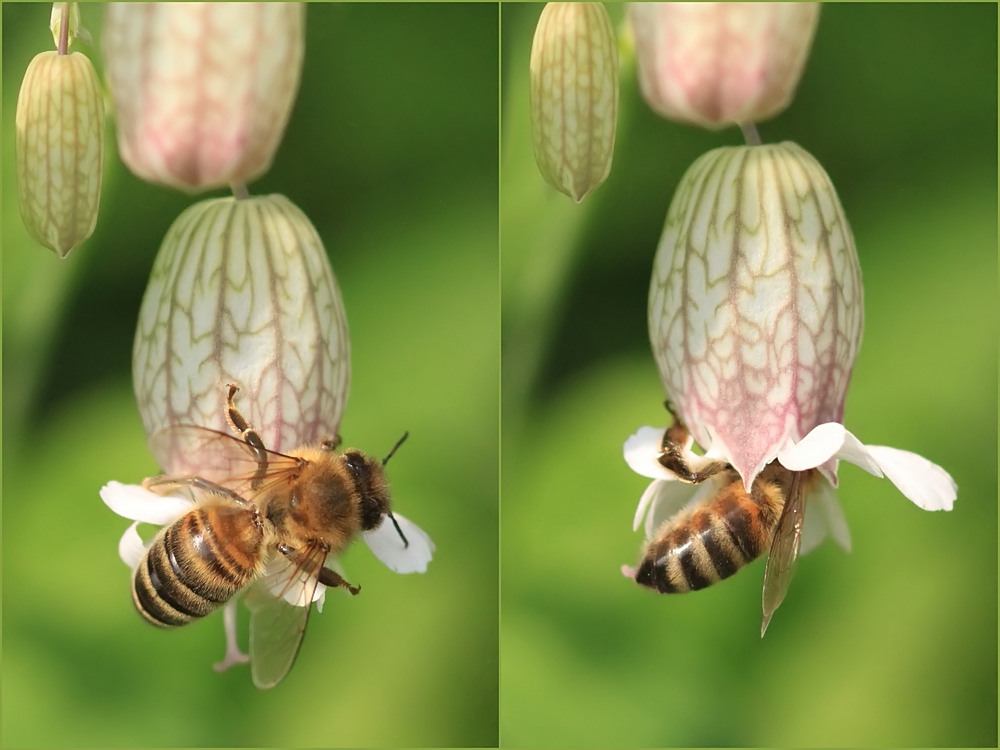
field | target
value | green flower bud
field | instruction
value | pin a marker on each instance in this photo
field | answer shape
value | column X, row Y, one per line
column 574, row 96
column 59, row 149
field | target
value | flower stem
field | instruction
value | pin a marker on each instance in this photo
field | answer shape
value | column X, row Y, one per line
column 63, row 47
column 750, row 133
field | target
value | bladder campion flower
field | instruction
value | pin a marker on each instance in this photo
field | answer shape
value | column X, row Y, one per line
column 755, row 317
column 242, row 292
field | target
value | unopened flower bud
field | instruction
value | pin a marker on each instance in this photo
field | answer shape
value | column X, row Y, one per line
column 242, row 292
column 202, row 91
column 755, row 306
column 59, row 148
column 718, row 64
column 574, row 96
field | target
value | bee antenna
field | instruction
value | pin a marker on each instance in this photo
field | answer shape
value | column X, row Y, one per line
column 386, row 460
column 395, row 523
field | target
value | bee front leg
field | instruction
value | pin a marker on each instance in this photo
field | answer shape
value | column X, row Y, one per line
column 677, row 456
column 239, row 425
column 334, row 580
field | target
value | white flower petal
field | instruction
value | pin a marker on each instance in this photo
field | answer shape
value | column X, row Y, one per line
column 826, row 441
column 139, row 504
column 644, row 502
column 823, row 518
column 816, row 448
column 385, row 543
column 320, row 597
column 642, row 451
column 925, row 483
column 131, row 548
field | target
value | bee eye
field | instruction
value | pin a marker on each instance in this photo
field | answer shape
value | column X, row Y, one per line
column 371, row 514
column 355, row 462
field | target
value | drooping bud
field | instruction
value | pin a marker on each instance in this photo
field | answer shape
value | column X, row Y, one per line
column 574, row 96
column 718, row 64
column 242, row 292
column 202, row 91
column 755, row 306
column 59, row 147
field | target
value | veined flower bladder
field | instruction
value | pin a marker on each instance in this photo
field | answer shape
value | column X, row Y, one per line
column 242, row 292
column 755, row 317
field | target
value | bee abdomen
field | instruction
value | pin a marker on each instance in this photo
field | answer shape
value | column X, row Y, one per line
column 197, row 564
column 710, row 542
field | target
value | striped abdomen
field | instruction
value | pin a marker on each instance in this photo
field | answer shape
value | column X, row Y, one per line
column 197, row 564
column 704, row 544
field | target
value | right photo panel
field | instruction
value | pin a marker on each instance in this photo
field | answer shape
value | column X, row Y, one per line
column 749, row 374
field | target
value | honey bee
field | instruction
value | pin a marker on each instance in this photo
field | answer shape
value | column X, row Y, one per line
column 712, row 539
column 265, row 523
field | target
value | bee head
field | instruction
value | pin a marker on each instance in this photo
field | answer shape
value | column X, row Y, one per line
column 371, row 487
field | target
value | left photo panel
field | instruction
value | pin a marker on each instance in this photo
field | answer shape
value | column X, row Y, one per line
column 251, row 370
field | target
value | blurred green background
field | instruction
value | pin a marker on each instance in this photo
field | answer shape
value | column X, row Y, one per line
column 392, row 151
column 894, row 644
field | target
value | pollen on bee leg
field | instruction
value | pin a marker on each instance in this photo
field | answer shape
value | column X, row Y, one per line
column 233, row 654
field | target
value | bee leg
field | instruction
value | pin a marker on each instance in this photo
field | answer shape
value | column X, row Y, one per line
column 239, row 424
column 166, row 484
column 331, row 444
column 678, row 458
column 334, row 580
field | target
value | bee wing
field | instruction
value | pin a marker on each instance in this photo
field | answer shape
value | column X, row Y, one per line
column 387, row 545
column 784, row 551
column 280, row 603
column 189, row 450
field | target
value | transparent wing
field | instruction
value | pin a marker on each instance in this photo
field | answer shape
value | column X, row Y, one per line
column 825, row 519
column 784, row 551
column 188, row 450
column 673, row 497
column 279, row 605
